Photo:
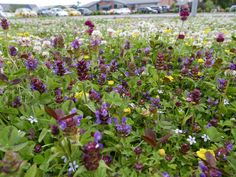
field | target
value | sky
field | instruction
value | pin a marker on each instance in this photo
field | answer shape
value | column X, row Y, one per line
column 45, row 2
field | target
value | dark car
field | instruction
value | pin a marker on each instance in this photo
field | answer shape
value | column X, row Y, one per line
column 165, row 8
column 43, row 12
column 85, row 11
column 157, row 8
column 147, row 10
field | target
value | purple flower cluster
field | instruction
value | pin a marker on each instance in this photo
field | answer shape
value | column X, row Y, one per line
column 58, row 96
column 13, row 51
column 58, row 41
column 208, row 172
column 184, row 12
column 59, row 68
column 76, row 44
column 38, row 85
column 94, row 95
column 83, row 70
column 91, row 153
column 160, row 62
column 31, row 63
column 232, row 66
column 209, row 61
column 70, row 123
column 222, row 84
column 102, row 115
column 17, row 102
column 194, row 96
column 220, row 37
column 90, row 25
column 122, row 129
column 222, row 152
column 155, row 104
column 4, row 23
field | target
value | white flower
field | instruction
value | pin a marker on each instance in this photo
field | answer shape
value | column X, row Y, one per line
column 226, row 102
column 205, row 137
column 64, row 158
column 73, row 166
column 97, row 33
column 178, row 131
column 32, row 119
column 191, row 140
column 160, row 91
column 160, row 112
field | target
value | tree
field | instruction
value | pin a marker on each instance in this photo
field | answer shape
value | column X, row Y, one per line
column 209, row 5
column 78, row 3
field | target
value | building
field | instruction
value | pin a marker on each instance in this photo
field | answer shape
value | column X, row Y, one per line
column 116, row 4
column 13, row 7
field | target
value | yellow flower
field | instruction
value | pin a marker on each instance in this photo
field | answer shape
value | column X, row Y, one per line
column 170, row 78
column 110, row 82
column 200, row 60
column 199, row 73
column 162, row 152
column 206, row 31
column 202, row 153
column 86, row 57
column 78, row 95
column 167, row 31
column 127, row 110
column 9, row 62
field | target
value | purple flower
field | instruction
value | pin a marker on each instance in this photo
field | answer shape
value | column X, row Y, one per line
column 202, row 175
column 76, row 44
column 222, row 84
column 147, row 50
column 232, row 66
column 155, row 104
column 96, row 42
column 138, row 166
column 113, row 66
column 13, row 51
column 59, row 68
column 229, row 147
column 123, row 129
column 97, row 136
column 83, row 69
column 4, row 23
column 202, row 166
column 107, row 159
column 215, row 173
column 31, row 63
column 38, row 85
column 91, row 156
column 17, row 102
column 94, row 95
column 184, row 12
column 165, row 174
column 62, row 125
column 194, row 96
column 89, row 23
column 102, row 115
column 220, row 37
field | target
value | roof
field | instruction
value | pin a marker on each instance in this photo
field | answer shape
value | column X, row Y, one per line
column 126, row 2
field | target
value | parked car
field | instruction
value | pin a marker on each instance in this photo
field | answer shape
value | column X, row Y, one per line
column 25, row 12
column 58, row 12
column 157, row 8
column 85, row 11
column 146, row 10
column 232, row 8
column 165, row 8
column 73, row 12
column 123, row 11
column 44, row 12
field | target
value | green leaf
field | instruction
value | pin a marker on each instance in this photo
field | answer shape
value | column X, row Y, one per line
column 38, row 159
column 42, row 134
column 213, row 133
column 233, row 131
column 32, row 171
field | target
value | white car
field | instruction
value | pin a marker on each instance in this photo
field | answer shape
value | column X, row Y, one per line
column 123, row 11
column 59, row 12
column 232, row 8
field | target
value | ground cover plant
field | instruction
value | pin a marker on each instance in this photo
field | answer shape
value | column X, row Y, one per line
column 118, row 97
